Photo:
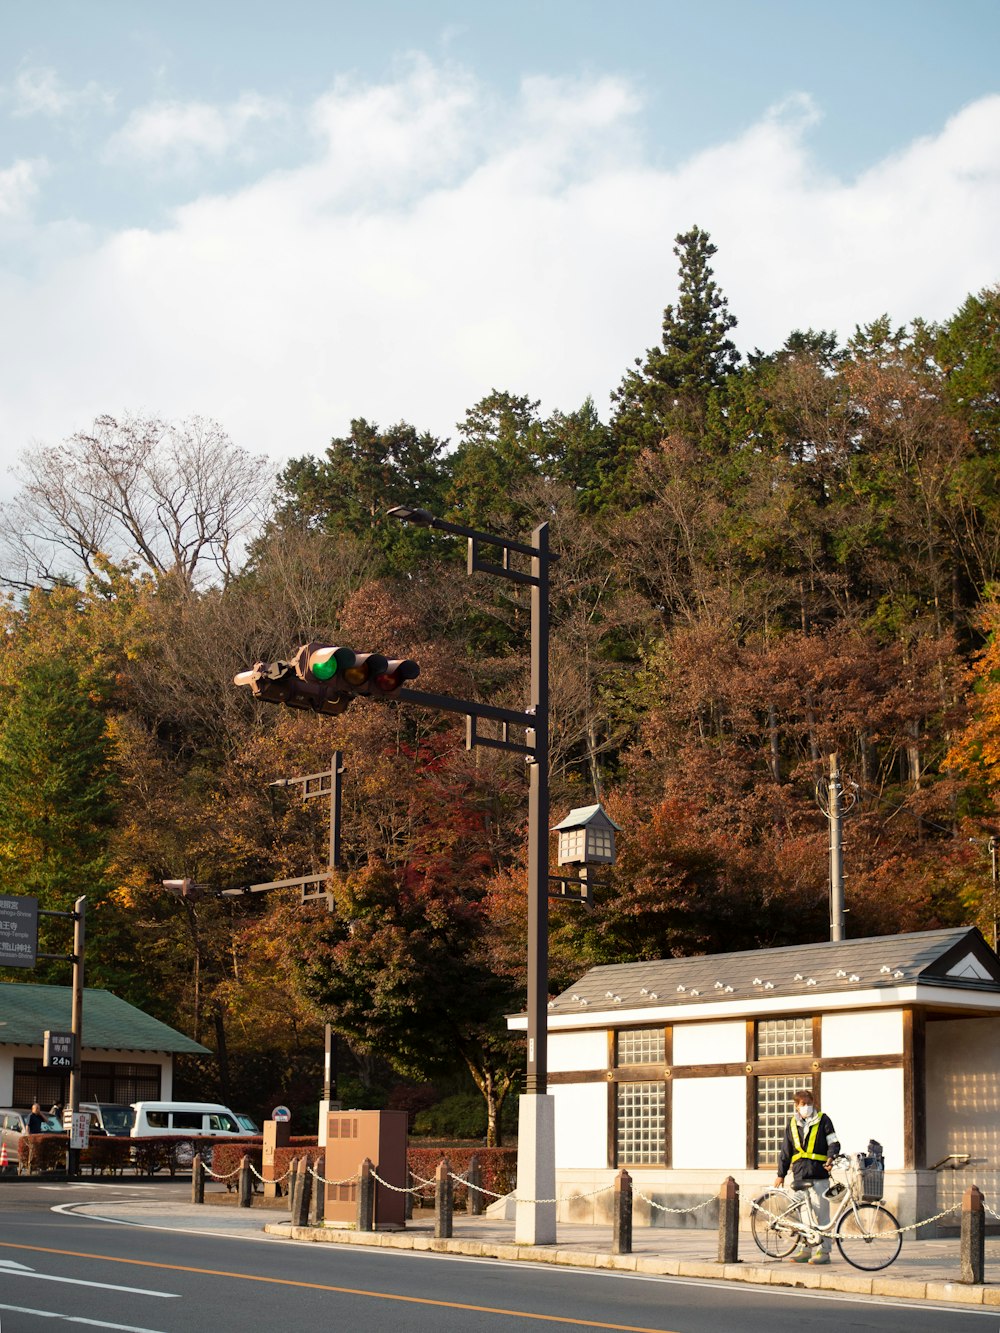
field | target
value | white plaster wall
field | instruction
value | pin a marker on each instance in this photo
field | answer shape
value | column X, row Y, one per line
column 709, row 1123
column 578, row 1050
column 709, row 1043
column 866, row 1104
column 581, row 1124
column 872, row 1032
column 963, row 1090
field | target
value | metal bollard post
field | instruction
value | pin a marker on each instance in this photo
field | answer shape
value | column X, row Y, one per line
column 408, row 1201
column 475, row 1176
column 197, row 1180
column 317, row 1208
column 973, row 1241
column 303, row 1194
column 246, row 1183
column 621, row 1217
column 366, row 1197
column 444, row 1201
column 729, row 1222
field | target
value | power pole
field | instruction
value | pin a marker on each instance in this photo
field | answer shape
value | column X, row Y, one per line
column 836, row 852
column 76, row 1027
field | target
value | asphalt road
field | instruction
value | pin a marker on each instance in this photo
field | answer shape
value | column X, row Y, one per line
column 61, row 1270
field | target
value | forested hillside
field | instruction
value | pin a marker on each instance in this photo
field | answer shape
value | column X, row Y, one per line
column 763, row 560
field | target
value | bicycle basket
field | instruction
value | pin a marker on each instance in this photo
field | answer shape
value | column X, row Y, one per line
column 867, row 1182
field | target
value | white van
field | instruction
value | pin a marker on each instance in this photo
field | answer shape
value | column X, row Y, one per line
column 184, row 1120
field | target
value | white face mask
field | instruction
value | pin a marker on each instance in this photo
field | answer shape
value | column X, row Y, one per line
column 805, row 1111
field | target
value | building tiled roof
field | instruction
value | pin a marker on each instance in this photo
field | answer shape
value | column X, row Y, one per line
column 109, row 1023
column 802, row 969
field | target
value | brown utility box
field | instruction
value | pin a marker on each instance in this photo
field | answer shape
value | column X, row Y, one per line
column 276, row 1135
column 351, row 1136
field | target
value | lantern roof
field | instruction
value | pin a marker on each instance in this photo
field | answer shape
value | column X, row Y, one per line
column 584, row 815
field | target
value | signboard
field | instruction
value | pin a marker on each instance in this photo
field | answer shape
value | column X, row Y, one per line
column 57, row 1053
column 79, row 1130
column 281, row 1113
column 18, row 931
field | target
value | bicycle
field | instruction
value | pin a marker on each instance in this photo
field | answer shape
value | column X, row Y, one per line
column 867, row 1234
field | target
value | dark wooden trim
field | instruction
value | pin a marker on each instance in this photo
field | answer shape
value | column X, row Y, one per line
column 668, row 1045
column 668, row 1123
column 751, row 1047
column 817, row 1036
column 914, row 1090
column 811, row 1070
column 612, row 1125
column 612, row 1047
column 751, row 1123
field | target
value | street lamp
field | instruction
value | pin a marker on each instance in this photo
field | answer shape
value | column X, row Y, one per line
column 993, row 843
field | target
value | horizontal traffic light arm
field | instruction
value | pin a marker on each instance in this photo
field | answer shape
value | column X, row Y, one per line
column 472, row 709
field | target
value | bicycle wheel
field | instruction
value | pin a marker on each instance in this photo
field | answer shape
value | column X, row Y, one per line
column 868, row 1236
column 772, row 1234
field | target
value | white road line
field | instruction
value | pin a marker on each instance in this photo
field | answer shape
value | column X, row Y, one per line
column 78, row 1319
column 10, row 1269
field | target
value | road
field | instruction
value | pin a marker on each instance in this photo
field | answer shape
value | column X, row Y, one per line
column 59, row 1269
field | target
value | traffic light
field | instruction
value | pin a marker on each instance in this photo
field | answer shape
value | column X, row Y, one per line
column 325, row 678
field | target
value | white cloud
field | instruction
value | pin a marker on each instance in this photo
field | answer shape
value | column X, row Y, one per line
column 440, row 242
column 38, row 90
column 19, row 186
column 178, row 134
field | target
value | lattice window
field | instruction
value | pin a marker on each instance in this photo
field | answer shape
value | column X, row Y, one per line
column 641, row 1046
column 775, row 1102
column 641, row 1123
column 784, row 1036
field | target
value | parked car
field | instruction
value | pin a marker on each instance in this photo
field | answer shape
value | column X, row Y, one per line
column 13, row 1124
column 247, row 1123
column 184, row 1121
column 112, row 1118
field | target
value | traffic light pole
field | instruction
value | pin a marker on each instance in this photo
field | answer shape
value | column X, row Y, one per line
column 535, row 1222
column 79, row 919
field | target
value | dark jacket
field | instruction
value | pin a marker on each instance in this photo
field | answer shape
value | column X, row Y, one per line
column 827, row 1145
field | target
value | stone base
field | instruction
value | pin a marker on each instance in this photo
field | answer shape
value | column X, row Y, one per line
column 535, row 1222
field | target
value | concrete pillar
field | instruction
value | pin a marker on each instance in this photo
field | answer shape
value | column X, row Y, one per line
column 246, row 1183
column 729, row 1221
column 366, row 1197
column 973, row 1237
column 621, row 1217
column 303, row 1195
column 444, row 1201
column 197, row 1180
column 535, row 1221
column 317, row 1206
column 474, row 1176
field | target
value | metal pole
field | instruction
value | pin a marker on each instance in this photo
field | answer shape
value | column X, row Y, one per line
column 836, row 855
column 76, row 1026
column 535, row 1220
column 336, row 770
column 538, row 821
column 993, row 905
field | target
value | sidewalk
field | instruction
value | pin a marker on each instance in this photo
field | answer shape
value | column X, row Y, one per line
column 925, row 1269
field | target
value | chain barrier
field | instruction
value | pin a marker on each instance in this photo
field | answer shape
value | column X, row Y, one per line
column 891, row 1231
column 990, row 1211
column 215, row 1175
column 275, row 1180
column 480, row 1189
column 665, row 1208
column 323, row 1180
column 396, row 1189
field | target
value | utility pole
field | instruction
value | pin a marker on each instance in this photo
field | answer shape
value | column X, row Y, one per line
column 76, row 1027
column 836, row 852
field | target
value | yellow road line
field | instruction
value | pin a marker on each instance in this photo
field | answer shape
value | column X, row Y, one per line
column 344, row 1291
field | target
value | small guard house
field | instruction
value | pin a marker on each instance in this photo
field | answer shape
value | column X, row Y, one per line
column 683, row 1070
column 127, row 1056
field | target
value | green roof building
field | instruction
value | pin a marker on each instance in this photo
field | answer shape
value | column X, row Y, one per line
column 127, row 1056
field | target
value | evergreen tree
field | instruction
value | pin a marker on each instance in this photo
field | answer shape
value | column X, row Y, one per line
column 670, row 389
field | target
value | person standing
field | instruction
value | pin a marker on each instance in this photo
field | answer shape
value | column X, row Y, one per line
column 35, row 1121
column 809, row 1148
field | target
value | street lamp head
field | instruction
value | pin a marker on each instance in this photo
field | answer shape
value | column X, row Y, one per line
column 187, row 888
column 587, row 837
column 422, row 517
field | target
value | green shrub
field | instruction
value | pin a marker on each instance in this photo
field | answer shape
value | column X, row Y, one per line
column 461, row 1116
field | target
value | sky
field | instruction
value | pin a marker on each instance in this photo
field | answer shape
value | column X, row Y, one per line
column 285, row 217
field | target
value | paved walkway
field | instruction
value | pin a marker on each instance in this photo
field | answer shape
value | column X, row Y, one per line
column 925, row 1269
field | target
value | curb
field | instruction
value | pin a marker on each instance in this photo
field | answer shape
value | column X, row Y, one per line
column 767, row 1275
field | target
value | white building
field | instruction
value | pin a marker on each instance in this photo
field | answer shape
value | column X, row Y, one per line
column 683, row 1070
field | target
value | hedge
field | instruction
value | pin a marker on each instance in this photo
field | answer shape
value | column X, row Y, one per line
column 146, row 1156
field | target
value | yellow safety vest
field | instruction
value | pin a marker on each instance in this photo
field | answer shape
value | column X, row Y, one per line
column 809, row 1151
